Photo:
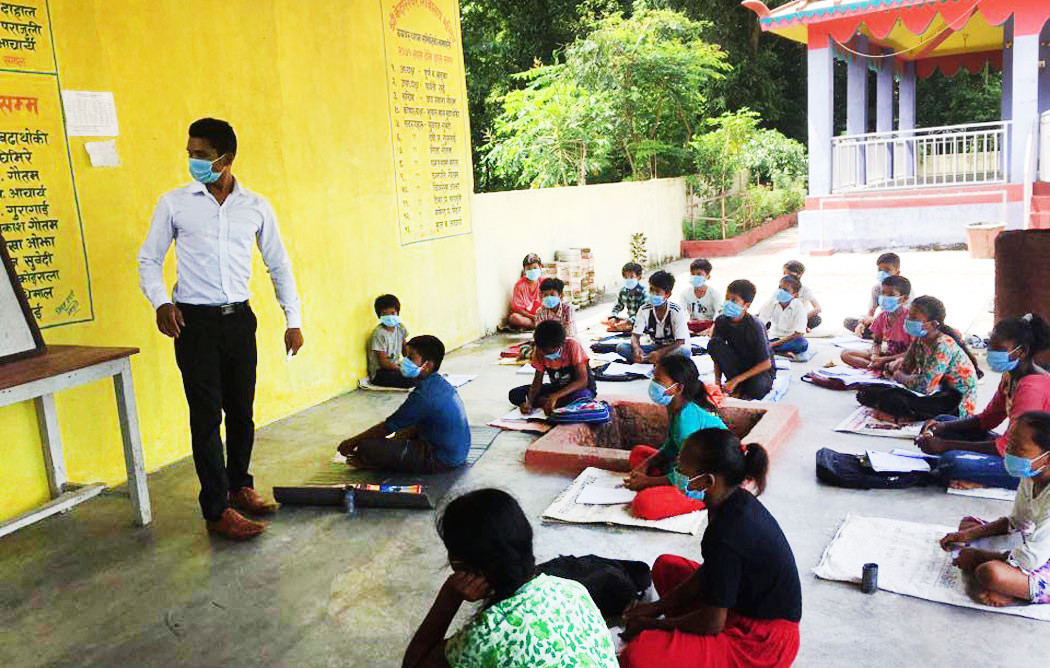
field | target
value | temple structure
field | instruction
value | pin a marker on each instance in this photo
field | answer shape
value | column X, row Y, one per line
column 886, row 182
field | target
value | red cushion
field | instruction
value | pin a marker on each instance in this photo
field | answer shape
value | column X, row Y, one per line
column 657, row 503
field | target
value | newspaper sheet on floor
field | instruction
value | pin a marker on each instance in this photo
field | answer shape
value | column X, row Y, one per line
column 566, row 509
column 863, row 421
column 911, row 562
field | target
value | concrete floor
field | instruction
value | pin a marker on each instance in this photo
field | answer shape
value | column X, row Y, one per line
column 320, row 589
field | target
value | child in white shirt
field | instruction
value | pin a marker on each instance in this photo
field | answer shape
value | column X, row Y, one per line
column 785, row 319
column 1021, row 575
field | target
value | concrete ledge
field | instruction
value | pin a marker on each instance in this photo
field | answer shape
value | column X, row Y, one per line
column 741, row 242
column 573, row 447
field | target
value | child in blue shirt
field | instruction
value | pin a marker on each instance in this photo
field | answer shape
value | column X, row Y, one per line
column 430, row 431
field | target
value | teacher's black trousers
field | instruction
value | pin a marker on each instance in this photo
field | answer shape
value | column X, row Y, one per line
column 216, row 354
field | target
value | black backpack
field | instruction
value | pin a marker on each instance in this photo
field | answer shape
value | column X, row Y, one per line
column 851, row 471
column 612, row 583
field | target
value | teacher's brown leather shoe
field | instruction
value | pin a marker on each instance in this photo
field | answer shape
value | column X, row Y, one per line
column 235, row 526
column 248, row 500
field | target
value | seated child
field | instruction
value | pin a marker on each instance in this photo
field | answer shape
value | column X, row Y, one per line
column 387, row 344
column 813, row 319
column 938, row 366
column 701, row 301
column 630, row 299
column 525, row 620
column 676, row 385
column 430, row 432
column 665, row 322
column 525, row 301
column 969, row 451
column 742, row 606
column 1023, row 574
column 568, row 366
column 740, row 348
column 889, row 264
column 887, row 329
column 784, row 315
column 554, row 308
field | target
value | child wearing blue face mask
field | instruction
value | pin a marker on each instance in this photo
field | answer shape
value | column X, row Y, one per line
column 676, row 385
column 739, row 346
column 889, row 339
column 663, row 321
column 784, row 315
column 742, row 606
column 566, row 363
column 555, row 307
column 386, row 344
column 700, row 299
column 969, row 451
column 887, row 264
column 632, row 296
column 428, row 433
column 1021, row 575
column 525, row 300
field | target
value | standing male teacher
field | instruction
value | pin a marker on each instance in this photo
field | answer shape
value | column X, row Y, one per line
column 214, row 221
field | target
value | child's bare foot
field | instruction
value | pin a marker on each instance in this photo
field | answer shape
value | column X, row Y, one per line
column 995, row 599
column 964, row 484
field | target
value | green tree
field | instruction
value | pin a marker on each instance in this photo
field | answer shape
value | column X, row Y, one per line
column 637, row 91
column 553, row 133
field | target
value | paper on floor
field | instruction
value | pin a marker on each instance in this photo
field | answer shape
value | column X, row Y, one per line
column 620, row 369
column 887, row 462
column 515, row 415
column 863, row 421
column 459, row 379
column 911, row 562
column 607, row 357
column 565, row 509
column 994, row 493
column 605, row 496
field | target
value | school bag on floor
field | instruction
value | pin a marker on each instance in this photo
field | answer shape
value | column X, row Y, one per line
column 582, row 410
column 599, row 374
column 853, row 472
column 612, row 583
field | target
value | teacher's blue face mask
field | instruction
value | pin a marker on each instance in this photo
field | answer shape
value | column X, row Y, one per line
column 200, row 169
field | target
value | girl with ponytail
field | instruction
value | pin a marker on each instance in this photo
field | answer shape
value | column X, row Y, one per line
column 745, row 601
column 969, row 450
column 938, row 360
column 676, row 385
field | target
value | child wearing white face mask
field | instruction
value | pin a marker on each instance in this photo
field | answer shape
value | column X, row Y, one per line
column 1023, row 574
column 556, row 308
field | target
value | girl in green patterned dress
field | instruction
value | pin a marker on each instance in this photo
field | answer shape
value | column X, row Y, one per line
column 527, row 620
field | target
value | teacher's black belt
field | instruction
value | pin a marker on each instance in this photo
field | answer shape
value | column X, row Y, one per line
column 216, row 309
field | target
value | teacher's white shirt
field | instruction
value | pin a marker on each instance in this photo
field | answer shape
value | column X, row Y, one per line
column 213, row 249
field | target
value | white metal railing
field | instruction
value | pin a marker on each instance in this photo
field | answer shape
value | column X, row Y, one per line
column 922, row 157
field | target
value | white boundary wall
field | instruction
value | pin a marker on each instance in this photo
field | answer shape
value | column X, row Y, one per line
column 602, row 217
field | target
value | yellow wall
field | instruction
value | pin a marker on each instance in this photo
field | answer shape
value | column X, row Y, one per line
column 303, row 82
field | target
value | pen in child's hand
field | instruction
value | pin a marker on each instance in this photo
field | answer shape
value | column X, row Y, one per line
column 288, row 355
